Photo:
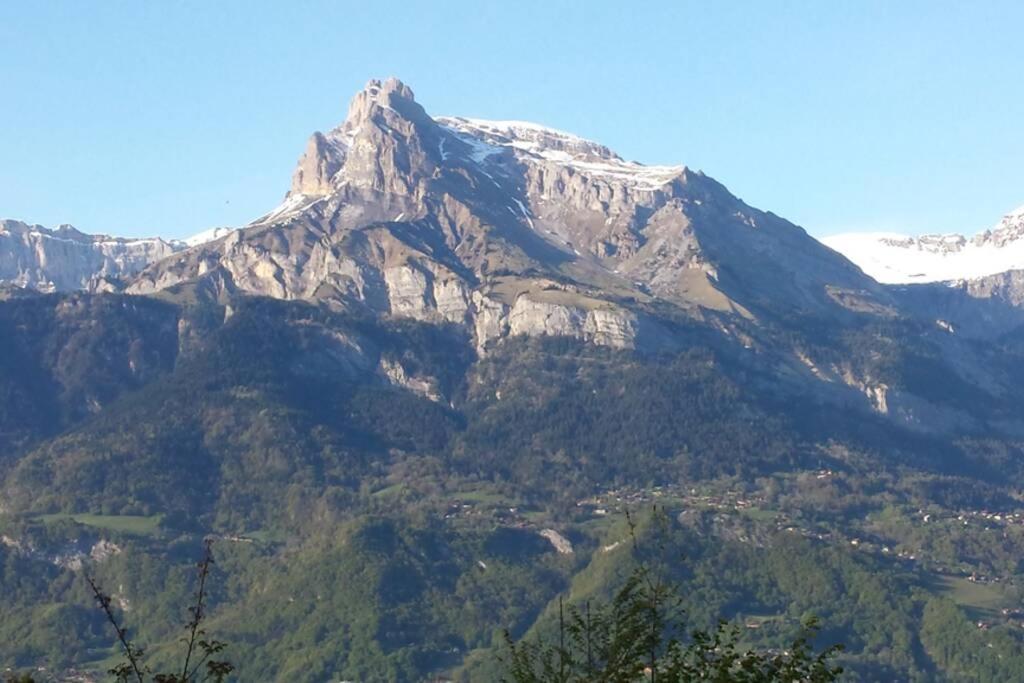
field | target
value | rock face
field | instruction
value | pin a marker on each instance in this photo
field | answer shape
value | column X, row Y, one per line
column 983, row 307
column 559, row 542
column 65, row 259
column 512, row 228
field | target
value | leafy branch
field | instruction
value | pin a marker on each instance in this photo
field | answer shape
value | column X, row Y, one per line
column 637, row 637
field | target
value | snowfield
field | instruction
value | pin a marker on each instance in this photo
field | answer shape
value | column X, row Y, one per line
column 902, row 259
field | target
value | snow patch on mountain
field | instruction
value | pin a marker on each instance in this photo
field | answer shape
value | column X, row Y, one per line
column 534, row 141
column 206, row 236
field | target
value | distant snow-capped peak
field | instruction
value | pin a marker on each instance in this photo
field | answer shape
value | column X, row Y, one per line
column 1009, row 229
column 903, row 259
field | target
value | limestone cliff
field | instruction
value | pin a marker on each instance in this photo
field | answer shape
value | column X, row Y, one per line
column 66, row 259
column 512, row 228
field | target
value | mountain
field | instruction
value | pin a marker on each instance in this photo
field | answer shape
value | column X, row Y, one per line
column 66, row 259
column 511, row 228
column 412, row 405
column 900, row 259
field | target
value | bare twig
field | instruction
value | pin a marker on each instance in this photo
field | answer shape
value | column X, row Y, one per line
column 561, row 640
column 198, row 610
column 195, row 642
column 133, row 654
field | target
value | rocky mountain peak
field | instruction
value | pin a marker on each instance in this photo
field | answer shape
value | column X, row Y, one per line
column 380, row 140
column 509, row 227
column 390, row 94
column 317, row 165
column 1009, row 229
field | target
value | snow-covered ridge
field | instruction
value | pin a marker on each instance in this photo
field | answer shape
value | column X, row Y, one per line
column 902, row 259
column 292, row 204
column 206, row 236
column 69, row 234
column 522, row 132
column 72, row 235
column 487, row 138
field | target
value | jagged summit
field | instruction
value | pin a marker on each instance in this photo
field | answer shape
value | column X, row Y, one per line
column 1009, row 229
column 508, row 228
column 388, row 110
column 511, row 227
column 381, row 135
column 390, row 93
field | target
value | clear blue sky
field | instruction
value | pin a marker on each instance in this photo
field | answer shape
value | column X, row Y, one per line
column 149, row 117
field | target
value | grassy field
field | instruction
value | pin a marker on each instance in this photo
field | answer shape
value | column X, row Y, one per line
column 104, row 659
column 395, row 490
column 760, row 515
column 265, row 536
column 481, row 497
column 127, row 524
column 981, row 599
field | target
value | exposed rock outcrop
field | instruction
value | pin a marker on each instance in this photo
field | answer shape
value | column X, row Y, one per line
column 409, row 216
column 66, row 259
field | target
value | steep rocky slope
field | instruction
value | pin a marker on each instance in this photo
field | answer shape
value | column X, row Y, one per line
column 66, row 259
column 512, row 228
